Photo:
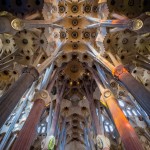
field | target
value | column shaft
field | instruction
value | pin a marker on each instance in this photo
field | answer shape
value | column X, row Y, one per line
column 55, row 119
column 28, row 133
column 57, row 110
column 12, row 96
column 95, row 117
column 139, row 92
column 126, row 131
column 5, row 26
column 143, row 64
column 93, row 113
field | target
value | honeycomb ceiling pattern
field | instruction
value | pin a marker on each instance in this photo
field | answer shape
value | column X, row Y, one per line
column 85, row 32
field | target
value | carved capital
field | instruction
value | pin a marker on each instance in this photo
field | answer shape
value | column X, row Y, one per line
column 106, row 95
column 137, row 24
column 102, row 142
column 43, row 95
column 119, row 70
column 32, row 71
column 17, row 24
column 48, row 143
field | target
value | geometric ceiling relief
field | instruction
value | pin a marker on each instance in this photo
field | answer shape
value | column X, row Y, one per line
column 74, row 74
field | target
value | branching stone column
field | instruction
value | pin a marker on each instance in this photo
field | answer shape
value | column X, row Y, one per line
column 93, row 113
column 49, row 141
column 10, row 99
column 62, row 134
column 142, row 64
column 42, row 99
column 141, row 95
column 49, row 89
column 20, row 24
column 139, row 92
column 102, row 141
column 12, row 96
column 126, row 131
column 28, row 133
column 10, row 24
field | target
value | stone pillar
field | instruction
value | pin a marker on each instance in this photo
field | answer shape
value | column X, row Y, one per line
column 12, row 96
column 55, row 117
column 139, row 92
column 126, row 131
column 5, row 25
column 94, row 116
column 102, row 141
column 142, row 64
column 28, row 133
column 100, row 116
column 116, row 23
column 86, row 140
column 62, row 134
column 49, row 141
column 57, row 111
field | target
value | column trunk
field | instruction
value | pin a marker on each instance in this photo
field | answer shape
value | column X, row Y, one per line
column 55, row 119
column 139, row 92
column 28, row 133
column 5, row 26
column 12, row 96
column 126, row 131
column 94, row 115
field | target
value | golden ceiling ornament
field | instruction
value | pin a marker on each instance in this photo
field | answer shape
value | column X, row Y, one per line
column 17, row 24
column 74, row 70
column 137, row 24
